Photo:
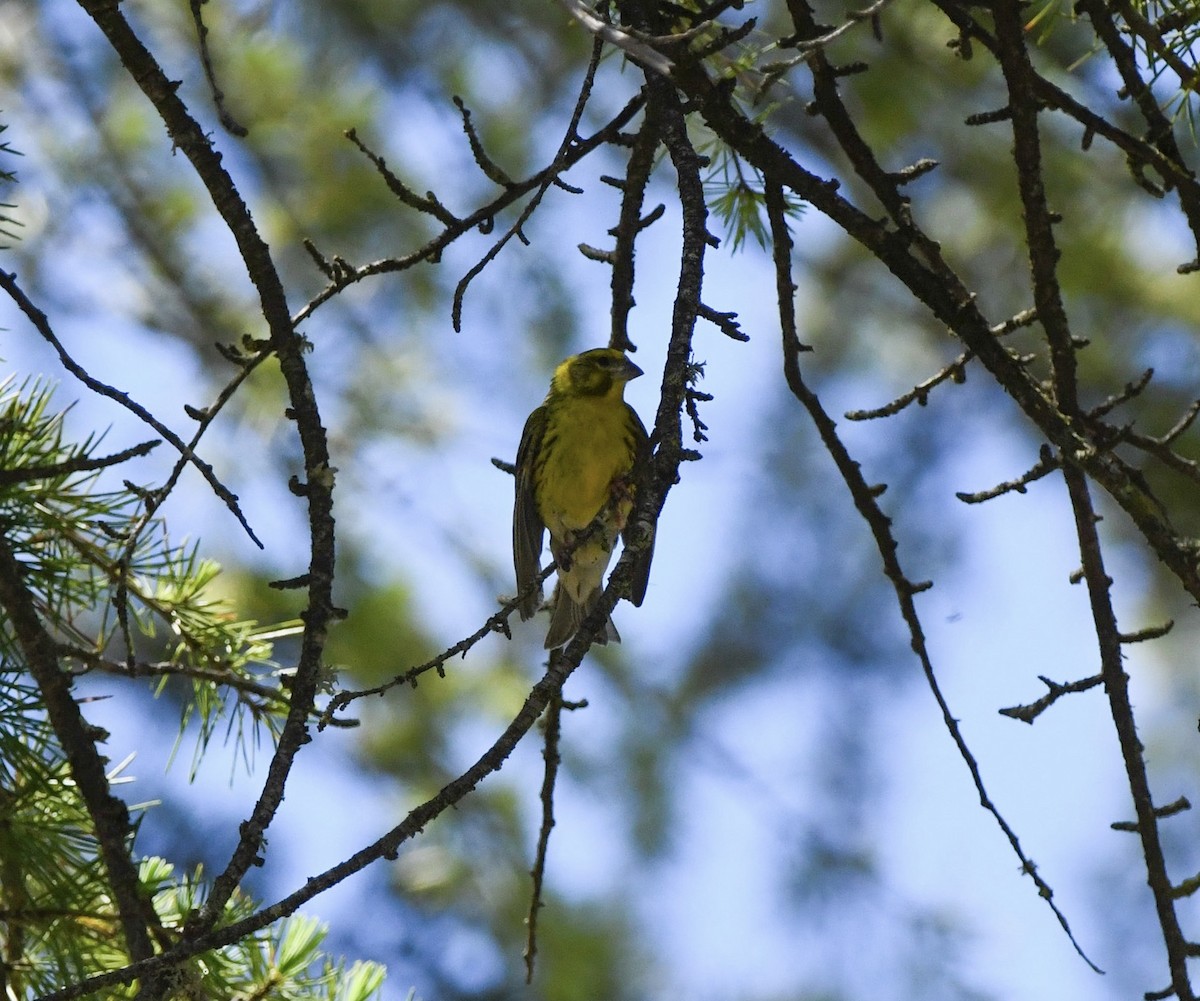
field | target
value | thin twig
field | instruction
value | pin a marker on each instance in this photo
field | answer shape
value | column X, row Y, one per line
column 1181, row 425
column 496, row 622
column 557, row 166
column 79, row 464
column 1046, row 464
column 550, row 756
column 481, row 218
column 919, row 394
column 230, row 123
column 1131, row 390
column 809, row 45
column 490, row 168
column 1031, row 711
column 154, row 499
column 273, row 698
column 40, row 322
column 635, row 49
column 428, row 204
column 864, row 498
column 955, row 372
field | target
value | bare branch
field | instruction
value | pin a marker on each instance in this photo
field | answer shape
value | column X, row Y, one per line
column 1028, row 713
column 1046, row 464
column 35, row 316
column 919, row 394
column 552, row 727
column 725, row 322
column 638, row 51
column 79, row 464
column 230, row 124
column 1131, row 390
column 864, row 498
column 429, row 204
column 557, row 166
column 490, row 168
column 288, row 347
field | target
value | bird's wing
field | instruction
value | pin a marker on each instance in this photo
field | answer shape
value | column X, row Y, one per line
column 527, row 523
column 641, row 469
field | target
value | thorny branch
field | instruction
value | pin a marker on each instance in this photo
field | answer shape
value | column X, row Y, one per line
column 864, row 496
column 189, row 138
column 679, row 85
column 550, row 755
column 482, row 218
column 1044, row 256
column 551, row 175
column 8, row 282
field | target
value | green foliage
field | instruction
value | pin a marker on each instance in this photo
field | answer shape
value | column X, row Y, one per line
column 287, row 963
column 126, row 601
column 59, row 922
column 111, row 582
column 113, row 590
column 734, row 192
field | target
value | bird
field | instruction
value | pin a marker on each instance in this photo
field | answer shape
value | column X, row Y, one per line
column 583, row 451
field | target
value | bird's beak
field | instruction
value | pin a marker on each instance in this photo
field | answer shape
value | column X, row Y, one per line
column 629, row 371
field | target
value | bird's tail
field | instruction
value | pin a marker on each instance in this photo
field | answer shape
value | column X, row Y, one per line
column 566, row 616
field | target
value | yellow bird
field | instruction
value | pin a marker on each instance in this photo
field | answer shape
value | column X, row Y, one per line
column 582, row 451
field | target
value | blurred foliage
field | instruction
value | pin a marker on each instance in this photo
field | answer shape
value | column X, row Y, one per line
column 798, row 615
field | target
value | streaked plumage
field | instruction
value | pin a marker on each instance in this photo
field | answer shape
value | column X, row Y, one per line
column 583, row 448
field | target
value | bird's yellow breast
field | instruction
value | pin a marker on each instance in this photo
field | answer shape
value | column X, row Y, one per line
column 588, row 444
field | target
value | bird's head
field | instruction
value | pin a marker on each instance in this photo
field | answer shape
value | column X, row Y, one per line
column 594, row 373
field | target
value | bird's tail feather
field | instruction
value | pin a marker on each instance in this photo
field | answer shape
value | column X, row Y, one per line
column 566, row 616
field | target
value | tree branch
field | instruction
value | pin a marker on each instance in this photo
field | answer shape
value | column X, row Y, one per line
column 550, row 755
column 78, row 740
column 864, row 498
column 1116, row 685
column 188, row 137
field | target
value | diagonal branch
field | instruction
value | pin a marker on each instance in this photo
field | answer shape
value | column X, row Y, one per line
column 386, row 847
column 1116, row 685
column 8, row 282
column 864, row 497
column 108, row 813
column 189, row 138
column 550, row 176
column 916, row 261
column 1039, row 228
